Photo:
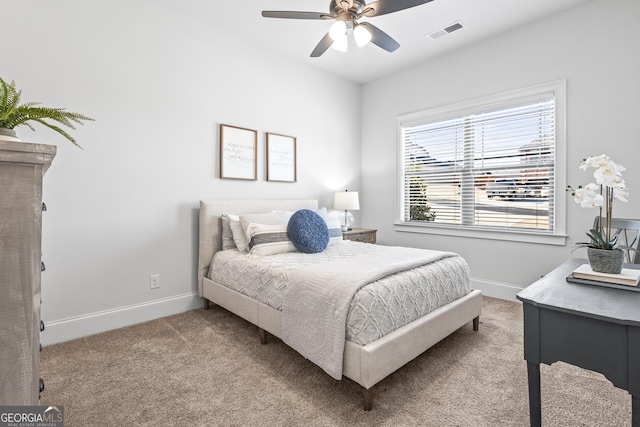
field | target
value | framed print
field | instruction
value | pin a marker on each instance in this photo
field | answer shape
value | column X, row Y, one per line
column 281, row 158
column 238, row 153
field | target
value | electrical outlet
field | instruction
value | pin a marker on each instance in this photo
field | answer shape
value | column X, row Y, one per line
column 154, row 281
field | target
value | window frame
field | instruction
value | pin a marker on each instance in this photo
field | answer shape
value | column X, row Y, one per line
column 558, row 235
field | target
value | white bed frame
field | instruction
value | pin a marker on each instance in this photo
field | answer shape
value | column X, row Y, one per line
column 366, row 365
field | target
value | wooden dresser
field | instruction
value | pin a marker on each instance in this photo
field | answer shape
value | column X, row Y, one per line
column 365, row 235
column 22, row 166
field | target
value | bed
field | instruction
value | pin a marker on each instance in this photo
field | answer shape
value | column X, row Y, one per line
column 365, row 363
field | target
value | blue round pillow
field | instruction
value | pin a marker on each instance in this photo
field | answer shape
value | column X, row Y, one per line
column 308, row 231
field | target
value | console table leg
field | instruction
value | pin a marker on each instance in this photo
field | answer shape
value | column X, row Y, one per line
column 635, row 411
column 535, row 403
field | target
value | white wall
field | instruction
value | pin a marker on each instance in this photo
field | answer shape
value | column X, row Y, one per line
column 158, row 85
column 593, row 47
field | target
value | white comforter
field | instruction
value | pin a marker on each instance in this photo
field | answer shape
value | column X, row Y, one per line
column 314, row 311
column 378, row 308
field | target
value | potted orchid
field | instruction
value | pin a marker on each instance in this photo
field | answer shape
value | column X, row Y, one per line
column 603, row 252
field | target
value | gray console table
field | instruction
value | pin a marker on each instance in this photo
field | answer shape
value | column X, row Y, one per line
column 589, row 326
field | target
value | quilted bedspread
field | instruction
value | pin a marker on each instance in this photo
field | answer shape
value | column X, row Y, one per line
column 376, row 309
column 314, row 311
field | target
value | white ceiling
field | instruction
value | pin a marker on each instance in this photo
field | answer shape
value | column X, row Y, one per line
column 411, row 27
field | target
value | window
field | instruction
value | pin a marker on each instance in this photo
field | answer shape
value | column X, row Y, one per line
column 487, row 168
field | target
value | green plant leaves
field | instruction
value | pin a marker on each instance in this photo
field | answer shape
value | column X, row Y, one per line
column 14, row 114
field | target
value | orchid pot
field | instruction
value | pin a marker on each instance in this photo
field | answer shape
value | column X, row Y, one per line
column 606, row 260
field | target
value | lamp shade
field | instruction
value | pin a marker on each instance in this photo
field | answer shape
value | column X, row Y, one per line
column 338, row 30
column 346, row 200
column 362, row 35
column 341, row 44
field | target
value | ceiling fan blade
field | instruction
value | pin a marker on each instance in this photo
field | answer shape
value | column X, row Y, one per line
column 382, row 7
column 322, row 46
column 380, row 38
column 294, row 15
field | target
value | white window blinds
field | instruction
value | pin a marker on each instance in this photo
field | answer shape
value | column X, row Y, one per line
column 489, row 166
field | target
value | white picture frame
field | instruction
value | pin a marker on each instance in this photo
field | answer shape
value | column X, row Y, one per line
column 238, row 153
column 281, row 158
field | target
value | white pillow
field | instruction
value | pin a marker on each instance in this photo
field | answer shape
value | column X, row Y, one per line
column 333, row 224
column 335, row 231
column 267, row 239
column 237, row 232
column 268, row 218
column 227, row 234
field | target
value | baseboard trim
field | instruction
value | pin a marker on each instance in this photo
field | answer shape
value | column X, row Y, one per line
column 57, row 331
column 496, row 289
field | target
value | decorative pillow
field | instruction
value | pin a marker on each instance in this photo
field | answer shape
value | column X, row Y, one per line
column 266, row 239
column 239, row 238
column 267, row 218
column 239, row 224
column 333, row 224
column 335, row 231
column 308, row 231
column 227, row 234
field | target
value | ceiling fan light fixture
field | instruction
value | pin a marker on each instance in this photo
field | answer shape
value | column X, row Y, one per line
column 362, row 35
column 338, row 30
column 341, row 44
column 346, row 13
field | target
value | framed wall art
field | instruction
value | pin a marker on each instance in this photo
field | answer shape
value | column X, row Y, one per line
column 281, row 158
column 238, row 153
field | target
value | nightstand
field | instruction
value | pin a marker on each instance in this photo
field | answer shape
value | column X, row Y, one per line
column 365, row 235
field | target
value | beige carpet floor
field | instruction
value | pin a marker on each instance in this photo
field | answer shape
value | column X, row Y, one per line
column 207, row 368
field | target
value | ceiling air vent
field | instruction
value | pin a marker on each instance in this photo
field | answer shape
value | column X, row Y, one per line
column 447, row 30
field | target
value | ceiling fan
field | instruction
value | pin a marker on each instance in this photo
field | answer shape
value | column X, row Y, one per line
column 346, row 13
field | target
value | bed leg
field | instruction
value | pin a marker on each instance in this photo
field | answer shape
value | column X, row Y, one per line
column 263, row 336
column 476, row 323
column 367, row 393
column 206, row 304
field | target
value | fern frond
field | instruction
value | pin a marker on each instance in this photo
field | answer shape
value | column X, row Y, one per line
column 9, row 97
column 59, row 130
column 13, row 114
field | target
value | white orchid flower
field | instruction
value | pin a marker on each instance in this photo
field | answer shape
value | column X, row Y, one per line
column 602, row 161
column 620, row 194
column 588, row 197
column 593, row 202
column 619, row 185
column 594, row 161
column 608, row 173
column 584, row 164
column 618, row 167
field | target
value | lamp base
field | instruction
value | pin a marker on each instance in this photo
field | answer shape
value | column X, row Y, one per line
column 347, row 221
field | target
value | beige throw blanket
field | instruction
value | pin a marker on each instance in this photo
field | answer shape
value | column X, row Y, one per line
column 316, row 301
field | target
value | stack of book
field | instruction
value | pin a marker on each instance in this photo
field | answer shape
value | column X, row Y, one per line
column 628, row 278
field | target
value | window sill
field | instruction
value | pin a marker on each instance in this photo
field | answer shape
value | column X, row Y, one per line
column 483, row 233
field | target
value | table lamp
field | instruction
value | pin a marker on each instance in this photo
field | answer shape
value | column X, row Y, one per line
column 346, row 201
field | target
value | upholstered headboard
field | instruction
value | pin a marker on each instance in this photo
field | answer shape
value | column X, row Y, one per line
column 210, row 233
